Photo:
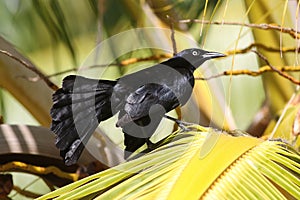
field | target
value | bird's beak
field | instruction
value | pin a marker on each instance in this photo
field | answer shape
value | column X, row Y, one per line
column 210, row 55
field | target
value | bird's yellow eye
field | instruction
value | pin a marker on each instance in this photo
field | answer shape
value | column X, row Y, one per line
column 195, row 53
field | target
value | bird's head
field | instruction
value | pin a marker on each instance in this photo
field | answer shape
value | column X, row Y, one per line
column 198, row 56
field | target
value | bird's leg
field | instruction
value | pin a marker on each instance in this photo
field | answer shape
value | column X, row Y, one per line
column 182, row 124
column 151, row 146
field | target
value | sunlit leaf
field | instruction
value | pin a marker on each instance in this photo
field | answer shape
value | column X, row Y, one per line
column 235, row 167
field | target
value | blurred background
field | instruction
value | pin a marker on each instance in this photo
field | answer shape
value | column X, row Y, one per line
column 59, row 36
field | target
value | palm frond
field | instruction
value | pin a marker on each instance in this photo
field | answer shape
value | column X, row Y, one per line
column 230, row 167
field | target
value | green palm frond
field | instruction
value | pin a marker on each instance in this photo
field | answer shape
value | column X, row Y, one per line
column 199, row 164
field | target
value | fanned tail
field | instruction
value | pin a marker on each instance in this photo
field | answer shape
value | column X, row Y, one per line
column 78, row 107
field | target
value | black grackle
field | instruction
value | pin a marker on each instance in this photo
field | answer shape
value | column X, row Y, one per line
column 141, row 99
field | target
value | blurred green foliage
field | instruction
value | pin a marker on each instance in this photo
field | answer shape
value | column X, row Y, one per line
column 59, row 35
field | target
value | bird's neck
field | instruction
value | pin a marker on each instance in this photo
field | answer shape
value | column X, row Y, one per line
column 178, row 63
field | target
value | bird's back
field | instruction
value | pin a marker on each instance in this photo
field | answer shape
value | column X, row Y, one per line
column 175, row 73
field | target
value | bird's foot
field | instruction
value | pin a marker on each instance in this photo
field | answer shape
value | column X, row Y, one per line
column 237, row 133
column 184, row 126
column 151, row 146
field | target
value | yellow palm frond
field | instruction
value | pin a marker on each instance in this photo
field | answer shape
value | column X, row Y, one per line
column 204, row 164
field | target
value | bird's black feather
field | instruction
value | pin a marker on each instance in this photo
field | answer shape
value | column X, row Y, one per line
column 141, row 99
column 77, row 109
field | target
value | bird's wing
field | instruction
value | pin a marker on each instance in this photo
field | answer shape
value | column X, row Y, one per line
column 141, row 101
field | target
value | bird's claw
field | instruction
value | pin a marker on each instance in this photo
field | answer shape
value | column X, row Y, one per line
column 184, row 126
column 150, row 145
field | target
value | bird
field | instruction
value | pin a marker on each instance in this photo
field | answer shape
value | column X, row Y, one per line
column 141, row 99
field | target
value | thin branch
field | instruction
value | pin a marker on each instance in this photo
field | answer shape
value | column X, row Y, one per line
column 171, row 21
column 290, row 31
column 281, row 73
column 32, row 68
column 163, row 56
column 262, row 46
column 26, row 193
column 262, row 70
column 121, row 64
column 150, row 58
column 76, row 69
column 62, row 72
